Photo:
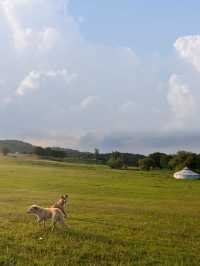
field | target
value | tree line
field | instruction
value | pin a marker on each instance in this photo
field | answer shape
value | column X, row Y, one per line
column 173, row 162
column 118, row 160
column 159, row 160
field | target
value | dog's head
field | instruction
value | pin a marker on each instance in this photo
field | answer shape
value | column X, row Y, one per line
column 33, row 209
column 64, row 197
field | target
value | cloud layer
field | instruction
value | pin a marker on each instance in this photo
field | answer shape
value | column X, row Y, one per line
column 57, row 88
column 181, row 101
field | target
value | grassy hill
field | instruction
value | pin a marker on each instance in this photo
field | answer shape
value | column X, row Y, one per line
column 116, row 217
column 16, row 146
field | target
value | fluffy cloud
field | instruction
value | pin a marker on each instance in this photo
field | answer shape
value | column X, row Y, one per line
column 188, row 48
column 25, row 35
column 181, row 100
column 89, row 102
column 128, row 107
column 58, row 88
column 33, row 81
column 19, row 35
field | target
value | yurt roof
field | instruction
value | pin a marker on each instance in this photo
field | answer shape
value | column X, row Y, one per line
column 186, row 172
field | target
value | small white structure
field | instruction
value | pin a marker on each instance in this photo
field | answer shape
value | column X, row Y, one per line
column 186, row 173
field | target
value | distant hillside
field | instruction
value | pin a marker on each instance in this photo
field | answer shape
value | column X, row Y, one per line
column 68, row 152
column 16, row 146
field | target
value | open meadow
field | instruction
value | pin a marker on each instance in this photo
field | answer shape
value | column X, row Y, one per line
column 116, row 217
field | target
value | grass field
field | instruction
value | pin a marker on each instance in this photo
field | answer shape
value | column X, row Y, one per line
column 124, row 217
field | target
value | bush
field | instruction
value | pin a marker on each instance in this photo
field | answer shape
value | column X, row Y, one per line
column 164, row 161
column 147, row 164
column 183, row 159
column 49, row 152
column 115, row 163
column 5, row 151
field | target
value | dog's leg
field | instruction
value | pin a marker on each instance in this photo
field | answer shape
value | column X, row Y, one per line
column 44, row 225
column 61, row 221
column 39, row 221
column 53, row 224
column 53, row 227
column 64, row 212
column 64, row 225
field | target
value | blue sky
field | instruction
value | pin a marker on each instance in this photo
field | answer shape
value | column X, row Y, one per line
column 146, row 26
column 116, row 75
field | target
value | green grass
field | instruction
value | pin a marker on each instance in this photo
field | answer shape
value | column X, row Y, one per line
column 124, row 217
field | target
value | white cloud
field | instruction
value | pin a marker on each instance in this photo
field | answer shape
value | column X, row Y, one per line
column 63, row 74
column 89, row 102
column 181, row 100
column 43, row 40
column 81, row 88
column 188, row 48
column 33, row 80
column 19, row 34
column 27, row 37
column 128, row 107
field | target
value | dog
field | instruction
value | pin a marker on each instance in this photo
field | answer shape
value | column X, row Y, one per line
column 61, row 203
column 43, row 214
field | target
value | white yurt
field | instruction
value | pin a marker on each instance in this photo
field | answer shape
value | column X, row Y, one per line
column 186, row 173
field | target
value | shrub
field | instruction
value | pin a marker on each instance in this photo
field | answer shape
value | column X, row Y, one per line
column 5, row 151
column 147, row 164
column 182, row 159
column 115, row 163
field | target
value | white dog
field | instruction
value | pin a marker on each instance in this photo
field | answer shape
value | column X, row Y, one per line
column 43, row 214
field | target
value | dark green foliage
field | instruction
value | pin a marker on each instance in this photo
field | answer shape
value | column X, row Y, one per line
column 119, row 160
column 161, row 159
column 164, row 161
column 116, row 161
column 183, row 159
column 157, row 158
column 39, row 151
column 129, row 159
column 147, row 164
column 132, row 159
column 96, row 154
column 49, row 152
column 173, row 162
column 5, row 151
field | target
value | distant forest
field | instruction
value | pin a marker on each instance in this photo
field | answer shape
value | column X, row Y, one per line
column 115, row 159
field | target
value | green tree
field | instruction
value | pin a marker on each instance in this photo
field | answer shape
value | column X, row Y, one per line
column 115, row 163
column 5, row 151
column 183, row 159
column 39, row 151
column 96, row 154
column 164, row 161
column 157, row 156
column 147, row 164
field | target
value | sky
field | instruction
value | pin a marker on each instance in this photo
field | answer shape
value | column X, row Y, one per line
column 115, row 75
